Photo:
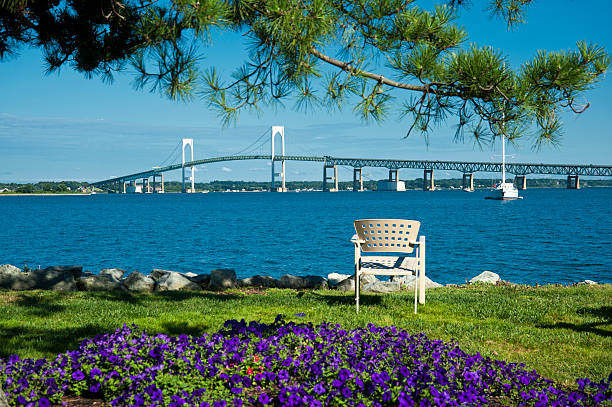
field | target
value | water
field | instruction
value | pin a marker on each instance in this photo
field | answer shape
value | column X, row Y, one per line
column 551, row 236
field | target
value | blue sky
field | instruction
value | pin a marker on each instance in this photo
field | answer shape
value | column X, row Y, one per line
column 65, row 127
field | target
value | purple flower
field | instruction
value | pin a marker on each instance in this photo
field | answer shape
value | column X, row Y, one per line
column 371, row 365
column 319, row 389
column 78, row 375
column 283, row 375
column 263, row 398
column 344, row 374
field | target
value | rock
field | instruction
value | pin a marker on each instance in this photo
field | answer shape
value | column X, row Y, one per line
column 139, row 282
column 381, row 287
column 9, row 268
column 156, row 274
column 3, row 400
column 202, row 279
column 348, row 284
column 115, row 274
column 97, row 282
column 334, row 278
column 588, row 282
column 76, row 271
column 222, row 279
column 190, row 275
column 315, row 282
column 291, row 281
column 13, row 278
column 258, row 281
column 368, row 278
column 59, row 278
column 486, row 277
column 408, row 282
column 54, row 279
column 174, row 281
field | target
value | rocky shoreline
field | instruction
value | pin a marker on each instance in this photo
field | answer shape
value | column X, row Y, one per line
column 73, row 278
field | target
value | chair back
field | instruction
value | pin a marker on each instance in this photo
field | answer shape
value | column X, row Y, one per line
column 387, row 235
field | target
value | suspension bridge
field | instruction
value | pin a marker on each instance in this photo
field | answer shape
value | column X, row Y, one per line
column 152, row 180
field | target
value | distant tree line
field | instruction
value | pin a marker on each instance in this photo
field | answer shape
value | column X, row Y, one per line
column 220, row 186
column 46, row 187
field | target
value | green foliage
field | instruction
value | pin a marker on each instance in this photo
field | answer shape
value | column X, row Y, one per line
column 438, row 75
column 25, row 189
column 45, row 187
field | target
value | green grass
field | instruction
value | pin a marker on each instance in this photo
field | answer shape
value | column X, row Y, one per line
column 564, row 333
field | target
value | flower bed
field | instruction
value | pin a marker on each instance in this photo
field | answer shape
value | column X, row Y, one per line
column 283, row 364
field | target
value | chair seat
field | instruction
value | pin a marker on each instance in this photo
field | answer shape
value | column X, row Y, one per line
column 388, row 265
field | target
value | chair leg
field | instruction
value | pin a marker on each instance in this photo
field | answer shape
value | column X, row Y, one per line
column 422, row 285
column 357, row 290
column 416, row 280
column 422, row 271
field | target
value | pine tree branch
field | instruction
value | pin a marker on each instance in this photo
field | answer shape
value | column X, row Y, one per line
column 345, row 66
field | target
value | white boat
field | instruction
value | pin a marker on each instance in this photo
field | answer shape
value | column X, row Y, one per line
column 504, row 190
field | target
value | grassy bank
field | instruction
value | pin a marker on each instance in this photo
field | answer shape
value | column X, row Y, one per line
column 562, row 332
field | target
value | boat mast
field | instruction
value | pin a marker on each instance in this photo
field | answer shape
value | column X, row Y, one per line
column 503, row 149
column 503, row 160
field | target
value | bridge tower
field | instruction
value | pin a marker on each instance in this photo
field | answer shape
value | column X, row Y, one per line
column 188, row 142
column 280, row 131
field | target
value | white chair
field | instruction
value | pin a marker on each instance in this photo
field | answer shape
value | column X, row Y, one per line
column 396, row 236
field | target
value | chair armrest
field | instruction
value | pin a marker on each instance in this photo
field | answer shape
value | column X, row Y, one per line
column 417, row 242
column 355, row 239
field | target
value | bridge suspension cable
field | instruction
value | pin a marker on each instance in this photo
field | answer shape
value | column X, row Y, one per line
column 250, row 146
column 174, row 154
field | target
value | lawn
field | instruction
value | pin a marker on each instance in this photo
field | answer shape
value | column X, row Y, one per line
column 564, row 333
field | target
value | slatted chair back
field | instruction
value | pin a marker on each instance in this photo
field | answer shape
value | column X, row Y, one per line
column 387, row 235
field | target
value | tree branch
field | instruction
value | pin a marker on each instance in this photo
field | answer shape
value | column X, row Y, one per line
column 345, row 66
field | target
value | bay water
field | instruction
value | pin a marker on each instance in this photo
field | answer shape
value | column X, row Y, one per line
column 550, row 236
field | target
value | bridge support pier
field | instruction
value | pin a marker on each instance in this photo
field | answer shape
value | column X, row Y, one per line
column 521, row 181
column 326, row 178
column 123, row 187
column 573, row 182
column 428, row 180
column 188, row 142
column 145, row 186
column 280, row 131
column 468, row 182
column 392, row 175
column 357, row 179
column 161, row 188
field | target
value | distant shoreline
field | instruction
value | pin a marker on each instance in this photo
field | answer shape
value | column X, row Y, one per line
column 289, row 190
column 38, row 194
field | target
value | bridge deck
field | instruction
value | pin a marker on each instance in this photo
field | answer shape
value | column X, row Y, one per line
column 461, row 166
